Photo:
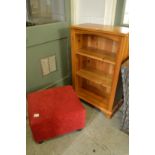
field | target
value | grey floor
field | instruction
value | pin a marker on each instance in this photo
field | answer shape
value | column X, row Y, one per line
column 101, row 136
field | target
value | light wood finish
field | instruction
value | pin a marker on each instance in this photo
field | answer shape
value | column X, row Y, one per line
column 96, row 77
column 97, row 54
column 117, row 30
column 94, row 99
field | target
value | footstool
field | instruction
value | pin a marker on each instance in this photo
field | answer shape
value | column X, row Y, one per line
column 54, row 112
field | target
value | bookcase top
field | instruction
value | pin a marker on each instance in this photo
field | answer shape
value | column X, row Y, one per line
column 117, row 30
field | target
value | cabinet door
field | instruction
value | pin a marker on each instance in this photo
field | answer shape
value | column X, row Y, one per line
column 49, row 36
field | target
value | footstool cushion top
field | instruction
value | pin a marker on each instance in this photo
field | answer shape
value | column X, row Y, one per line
column 54, row 102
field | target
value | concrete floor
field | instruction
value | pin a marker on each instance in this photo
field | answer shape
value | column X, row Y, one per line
column 101, row 136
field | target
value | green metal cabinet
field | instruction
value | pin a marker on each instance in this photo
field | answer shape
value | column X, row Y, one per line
column 47, row 40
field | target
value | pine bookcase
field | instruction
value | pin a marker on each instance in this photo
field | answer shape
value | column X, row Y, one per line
column 97, row 54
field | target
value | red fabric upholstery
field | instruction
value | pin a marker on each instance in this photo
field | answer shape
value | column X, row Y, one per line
column 54, row 112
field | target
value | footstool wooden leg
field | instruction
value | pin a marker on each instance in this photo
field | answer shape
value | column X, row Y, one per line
column 40, row 142
column 79, row 129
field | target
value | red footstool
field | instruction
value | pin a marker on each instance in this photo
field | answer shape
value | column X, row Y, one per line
column 54, row 112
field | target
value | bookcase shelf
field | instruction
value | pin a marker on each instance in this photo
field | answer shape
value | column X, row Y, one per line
column 97, row 101
column 95, row 76
column 97, row 54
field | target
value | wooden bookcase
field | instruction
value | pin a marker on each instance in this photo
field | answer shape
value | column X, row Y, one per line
column 97, row 54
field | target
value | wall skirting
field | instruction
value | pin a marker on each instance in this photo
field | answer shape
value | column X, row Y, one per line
column 63, row 81
column 66, row 80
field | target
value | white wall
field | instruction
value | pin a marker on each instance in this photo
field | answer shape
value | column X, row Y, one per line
column 93, row 11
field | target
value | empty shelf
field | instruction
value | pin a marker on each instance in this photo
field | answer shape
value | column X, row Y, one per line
column 97, row 54
column 96, row 77
column 97, row 101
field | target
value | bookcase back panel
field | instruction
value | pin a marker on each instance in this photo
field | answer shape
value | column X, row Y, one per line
column 80, row 41
column 96, row 42
column 93, row 87
column 102, row 43
column 94, row 65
